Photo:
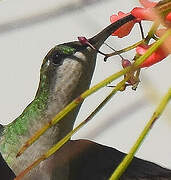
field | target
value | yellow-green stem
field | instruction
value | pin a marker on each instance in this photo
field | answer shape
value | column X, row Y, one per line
column 151, row 32
column 125, row 49
column 128, row 158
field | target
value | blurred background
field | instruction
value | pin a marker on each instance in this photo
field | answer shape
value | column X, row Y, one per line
column 29, row 29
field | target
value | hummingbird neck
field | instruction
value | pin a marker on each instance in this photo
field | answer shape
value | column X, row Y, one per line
column 23, row 125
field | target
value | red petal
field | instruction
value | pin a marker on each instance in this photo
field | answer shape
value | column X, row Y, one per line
column 141, row 49
column 168, row 17
column 121, row 14
column 147, row 3
column 156, row 57
column 143, row 13
column 126, row 28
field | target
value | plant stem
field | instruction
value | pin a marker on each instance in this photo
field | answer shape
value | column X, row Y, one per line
column 151, row 32
column 128, row 158
column 124, row 49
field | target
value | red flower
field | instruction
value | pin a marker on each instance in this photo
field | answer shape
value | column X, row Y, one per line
column 126, row 28
column 146, row 13
column 140, row 14
column 155, row 57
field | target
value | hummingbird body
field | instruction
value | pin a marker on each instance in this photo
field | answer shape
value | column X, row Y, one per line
column 66, row 72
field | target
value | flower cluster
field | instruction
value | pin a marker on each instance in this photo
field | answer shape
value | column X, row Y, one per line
column 147, row 12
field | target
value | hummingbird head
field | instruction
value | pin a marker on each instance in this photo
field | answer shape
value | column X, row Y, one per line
column 57, row 55
column 62, row 67
column 54, row 60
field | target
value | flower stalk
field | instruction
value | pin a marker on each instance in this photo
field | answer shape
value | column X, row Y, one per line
column 129, row 157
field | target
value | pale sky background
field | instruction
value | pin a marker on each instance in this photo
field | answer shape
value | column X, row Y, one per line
column 29, row 29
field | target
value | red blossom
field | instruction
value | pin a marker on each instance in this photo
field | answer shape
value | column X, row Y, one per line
column 148, row 12
column 126, row 28
column 144, row 13
column 154, row 58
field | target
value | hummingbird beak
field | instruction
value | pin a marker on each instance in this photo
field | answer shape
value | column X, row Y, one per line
column 96, row 42
column 99, row 39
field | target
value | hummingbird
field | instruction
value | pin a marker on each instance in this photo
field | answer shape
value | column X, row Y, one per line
column 65, row 73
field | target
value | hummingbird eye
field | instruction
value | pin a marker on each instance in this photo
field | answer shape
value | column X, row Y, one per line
column 56, row 58
column 57, row 54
